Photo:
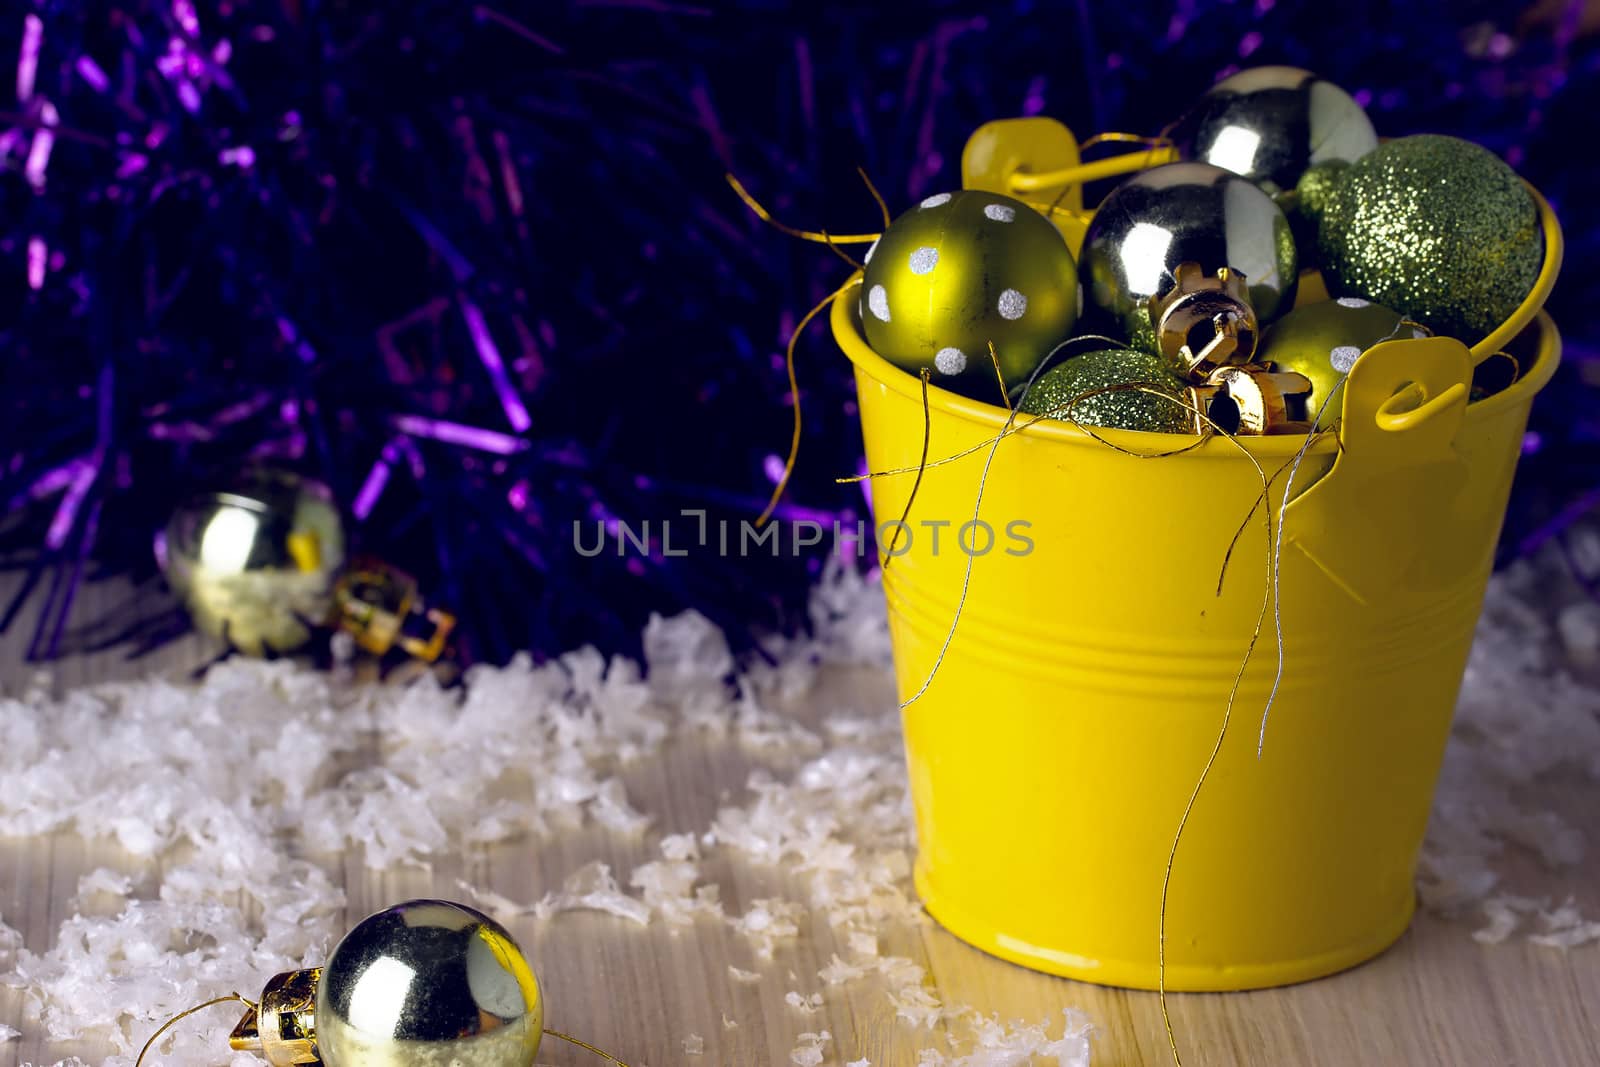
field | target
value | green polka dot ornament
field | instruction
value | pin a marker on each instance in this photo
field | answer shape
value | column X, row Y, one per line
column 1323, row 341
column 962, row 270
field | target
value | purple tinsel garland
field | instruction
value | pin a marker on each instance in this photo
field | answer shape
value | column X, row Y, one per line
column 474, row 266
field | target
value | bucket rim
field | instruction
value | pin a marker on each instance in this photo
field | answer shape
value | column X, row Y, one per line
column 848, row 335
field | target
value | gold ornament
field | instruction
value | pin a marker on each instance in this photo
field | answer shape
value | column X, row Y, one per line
column 1438, row 228
column 420, row 984
column 1322, row 341
column 1271, row 124
column 254, row 564
column 1184, row 213
column 1254, row 399
column 960, row 271
column 1126, row 390
column 427, row 983
column 1205, row 322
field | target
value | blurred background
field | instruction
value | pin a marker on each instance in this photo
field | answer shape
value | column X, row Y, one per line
column 476, row 266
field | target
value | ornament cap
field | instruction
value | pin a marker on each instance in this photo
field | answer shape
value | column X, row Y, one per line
column 283, row 1027
column 380, row 606
column 1205, row 322
column 1257, row 399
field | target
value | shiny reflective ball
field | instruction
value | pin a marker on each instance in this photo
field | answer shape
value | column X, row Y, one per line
column 1178, row 213
column 1438, row 228
column 1271, row 124
column 255, row 563
column 428, row 983
column 1323, row 341
column 961, row 270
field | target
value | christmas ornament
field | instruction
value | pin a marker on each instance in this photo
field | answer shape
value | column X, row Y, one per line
column 420, row 984
column 1270, row 124
column 254, row 564
column 1057, row 393
column 963, row 270
column 1255, row 400
column 1205, row 322
column 1322, row 341
column 1306, row 204
column 424, row 982
column 1439, row 229
column 1184, row 213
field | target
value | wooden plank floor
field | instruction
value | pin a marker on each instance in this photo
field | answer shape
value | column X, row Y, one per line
column 1438, row 997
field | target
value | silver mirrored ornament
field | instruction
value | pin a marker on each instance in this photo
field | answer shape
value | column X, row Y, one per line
column 1272, row 124
column 427, row 983
column 1180, row 213
column 255, row 563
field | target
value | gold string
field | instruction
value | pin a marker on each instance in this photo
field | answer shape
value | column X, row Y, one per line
column 849, row 479
column 999, row 375
column 1054, row 207
column 794, row 391
column 1158, row 141
column 1222, row 572
column 1054, row 413
column 1194, row 795
column 855, row 264
column 927, row 435
column 581, row 1044
column 883, row 208
column 1216, row 748
column 1159, row 147
column 1516, row 367
column 821, row 237
column 994, row 444
column 185, row 1014
column 253, row 1007
column 1227, row 556
column 1064, row 410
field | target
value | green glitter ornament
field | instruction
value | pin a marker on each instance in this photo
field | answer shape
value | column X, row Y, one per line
column 962, row 270
column 1436, row 227
column 1323, row 341
column 1306, row 203
column 1124, row 409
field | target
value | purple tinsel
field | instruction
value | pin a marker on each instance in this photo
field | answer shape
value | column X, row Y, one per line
column 474, row 266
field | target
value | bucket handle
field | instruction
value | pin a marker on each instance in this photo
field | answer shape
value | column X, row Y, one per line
column 1388, row 496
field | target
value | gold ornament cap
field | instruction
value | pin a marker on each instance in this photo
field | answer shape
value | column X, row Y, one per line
column 1256, row 399
column 1205, row 321
column 381, row 606
column 283, row 1027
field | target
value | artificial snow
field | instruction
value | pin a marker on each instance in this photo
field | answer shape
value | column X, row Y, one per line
column 807, row 1005
column 236, row 801
column 809, row 1051
column 592, row 888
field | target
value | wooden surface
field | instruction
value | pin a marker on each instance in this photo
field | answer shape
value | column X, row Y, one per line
column 1438, row 997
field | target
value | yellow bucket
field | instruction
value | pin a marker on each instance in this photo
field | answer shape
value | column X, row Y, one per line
column 1085, row 684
